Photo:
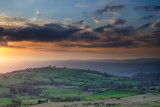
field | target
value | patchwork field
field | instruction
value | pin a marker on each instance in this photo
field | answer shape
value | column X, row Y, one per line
column 50, row 84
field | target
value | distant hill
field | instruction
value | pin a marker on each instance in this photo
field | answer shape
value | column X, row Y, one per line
column 116, row 67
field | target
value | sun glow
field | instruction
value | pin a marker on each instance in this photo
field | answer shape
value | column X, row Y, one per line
column 3, row 55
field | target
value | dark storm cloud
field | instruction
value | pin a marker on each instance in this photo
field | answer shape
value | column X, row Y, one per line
column 149, row 8
column 46, row 33
column 113, row 9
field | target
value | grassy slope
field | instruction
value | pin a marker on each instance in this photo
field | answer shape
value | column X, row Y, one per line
column 76, row 77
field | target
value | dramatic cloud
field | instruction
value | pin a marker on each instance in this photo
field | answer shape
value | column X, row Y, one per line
column 108, row 27
column 78, row 34
column 111, row 9
column 149, row 8
column 46, row 33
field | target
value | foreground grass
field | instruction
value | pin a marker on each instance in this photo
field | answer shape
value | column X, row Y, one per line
column 150, row 100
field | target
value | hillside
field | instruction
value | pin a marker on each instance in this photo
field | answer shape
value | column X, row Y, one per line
column 51, row 84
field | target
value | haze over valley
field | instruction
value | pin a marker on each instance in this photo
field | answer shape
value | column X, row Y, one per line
column 126, row 67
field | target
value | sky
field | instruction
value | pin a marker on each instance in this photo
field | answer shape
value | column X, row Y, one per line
column 79, row 29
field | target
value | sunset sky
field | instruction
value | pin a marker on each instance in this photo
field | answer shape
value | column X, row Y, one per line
column 79, row 29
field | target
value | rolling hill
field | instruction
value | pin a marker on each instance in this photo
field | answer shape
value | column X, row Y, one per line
column 50, row 84
column 30, row 85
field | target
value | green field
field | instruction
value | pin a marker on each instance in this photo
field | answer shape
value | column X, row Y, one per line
column 111, row 94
